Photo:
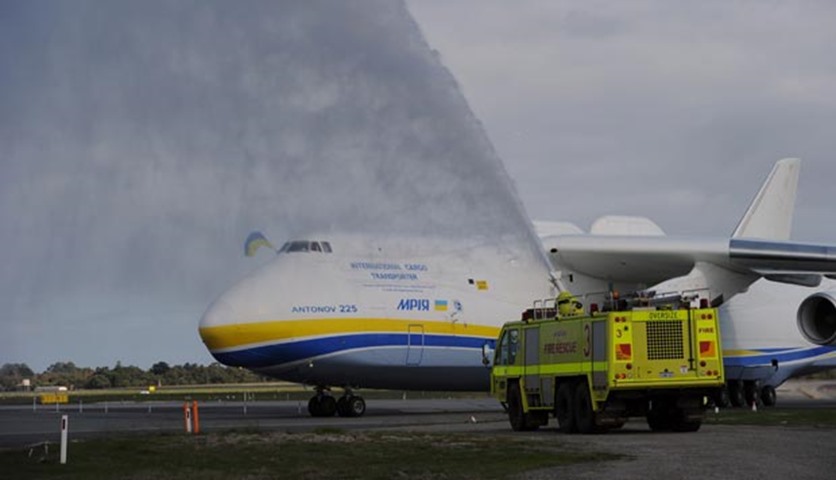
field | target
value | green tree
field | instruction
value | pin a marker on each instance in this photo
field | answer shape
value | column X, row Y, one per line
column 160, row 368
column 98, row 381
column 12, row 374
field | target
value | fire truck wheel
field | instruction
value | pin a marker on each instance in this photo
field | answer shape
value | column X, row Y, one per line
column 520, row 421
column 681, row 425
column 584, row 415
column 515, row 410
column 768, row 396
column 660, row 418
column 564, row 405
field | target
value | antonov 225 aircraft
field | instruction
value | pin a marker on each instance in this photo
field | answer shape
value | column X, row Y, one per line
column 423, row 314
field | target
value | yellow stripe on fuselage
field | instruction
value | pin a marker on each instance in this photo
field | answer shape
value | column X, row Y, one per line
column 741, row 353
column 237, row 335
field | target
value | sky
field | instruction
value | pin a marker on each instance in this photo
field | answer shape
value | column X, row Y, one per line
column 674, row 110
column 141, row 142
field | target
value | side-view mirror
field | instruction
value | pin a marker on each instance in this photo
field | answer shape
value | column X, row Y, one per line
column 487, row 355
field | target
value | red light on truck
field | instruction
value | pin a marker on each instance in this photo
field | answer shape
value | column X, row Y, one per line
column 623, row 351
column 707, row 349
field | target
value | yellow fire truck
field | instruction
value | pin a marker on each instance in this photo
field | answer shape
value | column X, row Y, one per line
column 592, row 370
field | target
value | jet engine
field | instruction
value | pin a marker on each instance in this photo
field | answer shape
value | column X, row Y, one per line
column 817, row 318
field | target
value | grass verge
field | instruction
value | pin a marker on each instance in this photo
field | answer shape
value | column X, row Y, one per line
column 336, row 454
column 791, row 417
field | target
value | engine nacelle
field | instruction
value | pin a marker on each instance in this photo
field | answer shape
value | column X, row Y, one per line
column 817, row 318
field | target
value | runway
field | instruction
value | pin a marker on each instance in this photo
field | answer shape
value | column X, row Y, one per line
column 22, row 425
column 717, row 451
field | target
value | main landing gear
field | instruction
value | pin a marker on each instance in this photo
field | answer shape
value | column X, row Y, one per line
column 740, row 393
column 323, row 404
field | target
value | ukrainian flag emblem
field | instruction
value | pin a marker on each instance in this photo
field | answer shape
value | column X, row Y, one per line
column 441, row 305
column 254, row 241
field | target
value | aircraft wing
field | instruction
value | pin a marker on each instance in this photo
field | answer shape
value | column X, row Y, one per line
column 652, row 260
column 634, row 252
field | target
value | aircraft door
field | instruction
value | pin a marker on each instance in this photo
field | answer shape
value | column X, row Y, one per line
column 415, row 345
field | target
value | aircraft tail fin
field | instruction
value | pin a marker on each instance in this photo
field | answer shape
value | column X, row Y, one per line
column 770, row 214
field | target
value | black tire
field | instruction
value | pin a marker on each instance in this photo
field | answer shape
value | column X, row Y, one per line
column 736, row 396
column 722, row 399
column 519, row 420
column 356, row 406
column 687, row 425
column 584, row 415
column 769, row 396
column 564, row 407
column 751, row 393
column 660, row 418
column 328, row 406
column 342, row 407
column 516, row 416
column 314, row 406
column 658, row 421
column 615, row 426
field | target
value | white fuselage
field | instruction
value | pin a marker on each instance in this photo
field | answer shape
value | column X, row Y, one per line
column 398, row 317
column 423, row 316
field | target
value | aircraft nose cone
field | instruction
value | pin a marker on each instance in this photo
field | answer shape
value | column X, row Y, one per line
column 218, row 327
column 220, row 313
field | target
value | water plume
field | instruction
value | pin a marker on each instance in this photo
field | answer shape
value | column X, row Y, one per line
column 141, row 141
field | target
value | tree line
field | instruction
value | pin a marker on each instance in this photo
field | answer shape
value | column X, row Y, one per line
column 161, row 373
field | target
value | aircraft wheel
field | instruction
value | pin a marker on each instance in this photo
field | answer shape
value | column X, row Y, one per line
column 736, row 395
column 722, row 399
column 751, row 393
column 328, row 406
column 564, row 408
column 584, row 415
column 356, row 406
column 342, row 406
column 315, row 406
column 769, row 396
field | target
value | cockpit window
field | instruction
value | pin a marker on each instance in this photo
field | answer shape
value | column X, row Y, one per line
column 305, row 246
column 298, row 246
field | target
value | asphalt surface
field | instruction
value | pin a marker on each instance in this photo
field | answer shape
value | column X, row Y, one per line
column 716, row 451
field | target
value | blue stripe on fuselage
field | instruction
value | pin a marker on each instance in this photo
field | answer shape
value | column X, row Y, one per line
column 786, row 356
column 277, row 354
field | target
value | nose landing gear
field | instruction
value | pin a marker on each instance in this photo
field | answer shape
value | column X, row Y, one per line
column 323, row 404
